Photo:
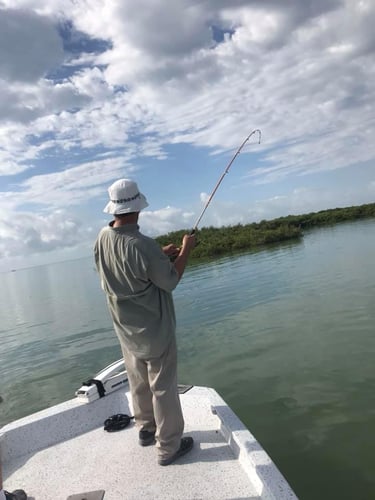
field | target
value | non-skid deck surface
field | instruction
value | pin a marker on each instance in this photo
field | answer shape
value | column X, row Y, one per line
column 126, row 471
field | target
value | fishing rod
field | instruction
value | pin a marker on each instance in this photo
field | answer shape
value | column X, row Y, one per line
column 223, row 175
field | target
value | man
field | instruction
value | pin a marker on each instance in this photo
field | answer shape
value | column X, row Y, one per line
column 138, row 278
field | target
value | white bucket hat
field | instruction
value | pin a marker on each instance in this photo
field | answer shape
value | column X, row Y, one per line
column 124, row 198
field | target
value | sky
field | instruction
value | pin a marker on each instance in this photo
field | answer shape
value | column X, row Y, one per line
column 164, row 92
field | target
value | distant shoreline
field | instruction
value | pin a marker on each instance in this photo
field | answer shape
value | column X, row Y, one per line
column 217, row 242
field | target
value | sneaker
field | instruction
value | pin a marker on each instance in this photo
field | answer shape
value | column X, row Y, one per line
column 15, row 495
column 146, row 438
column 185, row 446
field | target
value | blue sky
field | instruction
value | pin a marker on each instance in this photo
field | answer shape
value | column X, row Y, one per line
column 164, row 93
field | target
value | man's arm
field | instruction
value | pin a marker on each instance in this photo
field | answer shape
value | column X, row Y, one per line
column 188, row 243
column 159, row 269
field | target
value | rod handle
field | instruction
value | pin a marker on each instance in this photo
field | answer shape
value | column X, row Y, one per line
column 193, row 231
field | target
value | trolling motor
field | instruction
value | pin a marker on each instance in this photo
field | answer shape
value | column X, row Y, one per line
column 110, row 379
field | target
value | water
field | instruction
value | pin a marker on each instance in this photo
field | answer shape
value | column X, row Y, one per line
column 285, row 335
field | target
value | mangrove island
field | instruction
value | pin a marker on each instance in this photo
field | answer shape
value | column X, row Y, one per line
column 215, row 242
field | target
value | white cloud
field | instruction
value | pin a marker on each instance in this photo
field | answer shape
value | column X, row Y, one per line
column 77, row 185
column 165, row 220
column 280, row 71
column 204, row 197
column 31, row 234
column 29, row 45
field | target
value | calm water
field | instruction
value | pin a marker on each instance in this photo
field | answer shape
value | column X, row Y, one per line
column 286, row 335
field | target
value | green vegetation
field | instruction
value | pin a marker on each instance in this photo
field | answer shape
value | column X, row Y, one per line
column 324, row 217
column 214, row 242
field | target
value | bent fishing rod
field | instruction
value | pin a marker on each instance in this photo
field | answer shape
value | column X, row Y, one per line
column 223, row 175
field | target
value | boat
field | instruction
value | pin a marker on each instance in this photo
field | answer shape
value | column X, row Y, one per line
column 64, row 452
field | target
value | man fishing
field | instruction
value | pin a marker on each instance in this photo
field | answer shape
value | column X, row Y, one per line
column 138, row 278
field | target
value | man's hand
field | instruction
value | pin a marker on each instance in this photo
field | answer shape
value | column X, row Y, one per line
column 188, row 242
column 171, row 250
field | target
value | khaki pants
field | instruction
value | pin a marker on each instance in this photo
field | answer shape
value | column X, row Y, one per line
column 156, row 402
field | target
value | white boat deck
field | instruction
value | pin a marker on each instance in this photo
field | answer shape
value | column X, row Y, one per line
column 52, row 455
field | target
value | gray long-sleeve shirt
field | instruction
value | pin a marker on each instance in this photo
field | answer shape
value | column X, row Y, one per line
column 138, row 279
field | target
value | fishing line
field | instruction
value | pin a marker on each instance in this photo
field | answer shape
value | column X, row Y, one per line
column 223, row 175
